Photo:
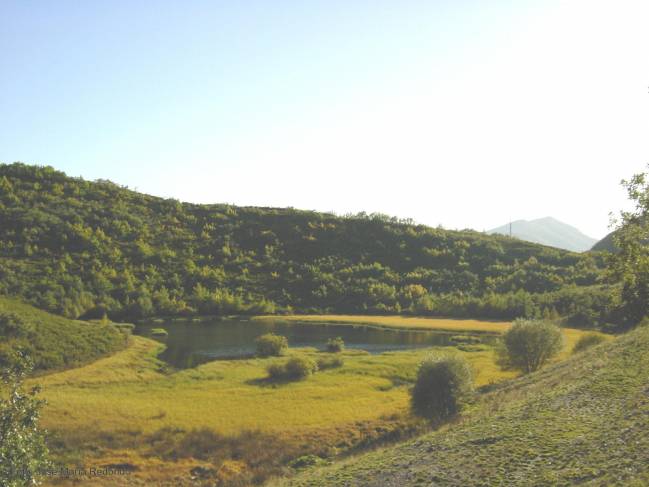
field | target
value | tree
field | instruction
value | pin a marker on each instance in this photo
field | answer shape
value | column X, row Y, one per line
column 630, row 264
column 442, row 384
column 22, row 444
column 529, row 344
column 271, row 344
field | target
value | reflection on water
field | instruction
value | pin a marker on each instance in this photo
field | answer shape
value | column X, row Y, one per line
column 189, row 344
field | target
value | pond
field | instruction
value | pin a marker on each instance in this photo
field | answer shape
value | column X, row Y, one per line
column 192, row 343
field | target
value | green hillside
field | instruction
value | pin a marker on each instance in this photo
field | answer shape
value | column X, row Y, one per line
column 54, row 342
column 583, row 421
column 80, row 248
column 606, row 243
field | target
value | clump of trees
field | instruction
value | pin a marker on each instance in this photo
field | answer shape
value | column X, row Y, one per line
column 442, row 385
column 271, row 344
column 296, row 368
column 529, row 344
column 23, row 453
column 587, row 341
column 335, row 345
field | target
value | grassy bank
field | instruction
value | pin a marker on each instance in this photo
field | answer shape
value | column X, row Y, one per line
column 54, row 342
column 581, row 421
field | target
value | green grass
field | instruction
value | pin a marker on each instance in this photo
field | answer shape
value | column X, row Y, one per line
column 115, row 406
column 580, row 421
column 55, row 342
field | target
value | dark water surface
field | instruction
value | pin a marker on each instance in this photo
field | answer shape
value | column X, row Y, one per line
column 193, row 343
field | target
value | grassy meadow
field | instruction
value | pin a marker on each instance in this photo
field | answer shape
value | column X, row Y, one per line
column 129, row 409
column 581, row 421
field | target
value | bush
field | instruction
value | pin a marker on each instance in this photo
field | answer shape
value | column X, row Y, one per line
column 296, row 368
column 529, row 344
column 271, row 345
column 442, row 384
column 22, row 443
column 330, row 363
column 335, row 345
column 300, row 367
column 587, row 341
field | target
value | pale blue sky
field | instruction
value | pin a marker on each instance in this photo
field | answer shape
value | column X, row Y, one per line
column 463, row 113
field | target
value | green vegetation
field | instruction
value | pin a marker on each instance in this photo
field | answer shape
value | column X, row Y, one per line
column 330, row 362
column 296, row 368
column 271, row 345
column 337, row 410
column 22, row 444
column 530, row 344
column 53, row 342
column 159, row 332
column 582, row 421
column 630, row 264
column 587, row 341
column 335, row 345
column 82, row 249
column 443, row 382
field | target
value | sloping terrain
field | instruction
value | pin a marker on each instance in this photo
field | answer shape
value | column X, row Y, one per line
column 584, row 421
column 54, row 342
column 548, row 231
column 79, row 249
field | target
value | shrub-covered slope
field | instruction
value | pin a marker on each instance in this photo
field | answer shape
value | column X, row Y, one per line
column 53, row 342
column 78, row 248
column 584, row 421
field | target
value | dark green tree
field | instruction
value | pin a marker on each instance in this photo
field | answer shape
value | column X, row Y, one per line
column 442, row 384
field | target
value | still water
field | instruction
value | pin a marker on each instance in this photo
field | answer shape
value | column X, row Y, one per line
column 191, row 343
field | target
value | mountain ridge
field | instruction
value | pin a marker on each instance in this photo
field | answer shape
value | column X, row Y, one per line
column 547, row 231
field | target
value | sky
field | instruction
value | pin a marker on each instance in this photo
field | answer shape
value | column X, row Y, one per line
column 465, row 114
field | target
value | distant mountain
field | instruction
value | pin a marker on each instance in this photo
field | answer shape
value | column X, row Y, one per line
column 548, row 231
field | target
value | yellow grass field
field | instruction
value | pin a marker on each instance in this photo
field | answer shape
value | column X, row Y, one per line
column 129, row 393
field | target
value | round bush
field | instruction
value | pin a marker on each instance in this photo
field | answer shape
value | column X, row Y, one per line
column 300, row 367
column 271, row 345
column 335, row 345
column 587, row 341
column 442, row 384
column 529, row 344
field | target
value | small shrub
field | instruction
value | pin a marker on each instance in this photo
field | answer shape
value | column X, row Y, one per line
column 330, row 363
column 335, row 345
column 296, row 368
column 529, row 344
column 300, row 367
column 587, row 341
column 442, row 384
column 276, row 371
column 271, row 345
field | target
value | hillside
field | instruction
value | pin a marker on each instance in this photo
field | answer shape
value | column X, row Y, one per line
column 548, row 231
column 54, row 342
column 81, row 248
column 582, row 421
column 605, row 244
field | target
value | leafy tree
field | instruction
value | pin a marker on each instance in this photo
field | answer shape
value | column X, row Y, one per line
column 630, row 264
column 271, row 344
column 442, row 384
column 529, row 344
column 23, row 453
column 335, row 345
